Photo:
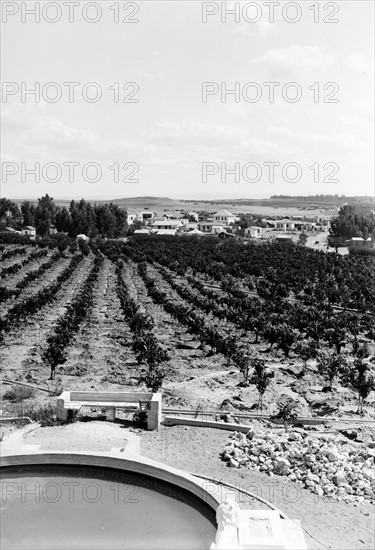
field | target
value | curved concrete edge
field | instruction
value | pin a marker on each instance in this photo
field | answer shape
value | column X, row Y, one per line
column 136, row 464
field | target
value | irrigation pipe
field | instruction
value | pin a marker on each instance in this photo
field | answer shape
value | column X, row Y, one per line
column 261, row 499
column 11, row 382
column 12, row 418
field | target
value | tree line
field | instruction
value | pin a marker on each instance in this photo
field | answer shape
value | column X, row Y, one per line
column 351, row 222
column 93, row 220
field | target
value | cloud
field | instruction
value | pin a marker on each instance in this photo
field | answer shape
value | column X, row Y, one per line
column 217, row 142
column 356, row 63
column 263, row 26
column 295, row 58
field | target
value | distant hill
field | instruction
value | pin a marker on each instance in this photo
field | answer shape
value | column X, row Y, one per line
column 142, row 201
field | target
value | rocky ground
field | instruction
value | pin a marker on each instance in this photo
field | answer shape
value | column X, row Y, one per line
column 334, row 468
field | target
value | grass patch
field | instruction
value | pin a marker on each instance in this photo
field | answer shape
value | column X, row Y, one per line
column 18, row 393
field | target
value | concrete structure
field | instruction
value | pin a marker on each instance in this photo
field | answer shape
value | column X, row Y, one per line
column 134, row 463
column 237, row 529
column 110, row 401
column 224, row 217
column 255, row 529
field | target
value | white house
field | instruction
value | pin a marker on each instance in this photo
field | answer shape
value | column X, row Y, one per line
column 210, row 227
column 29, row 231
column 168, row 224
column 253, row 232
column 145, row 215
column 285, row 225
column 359, row 242
column 132, row 215
column 305, row 225
column 224, row 217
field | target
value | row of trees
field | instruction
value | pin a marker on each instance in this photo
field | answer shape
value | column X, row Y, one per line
column 29, row 306
column 31, row 276
column 145, row 345
column 14, row 268
column 279, row 322
column 106, row 220
column 295, row 271
column 67, row 326
column 253, row 368
column 331, row 365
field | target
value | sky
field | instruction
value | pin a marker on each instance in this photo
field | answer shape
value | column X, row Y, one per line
column 168, row 138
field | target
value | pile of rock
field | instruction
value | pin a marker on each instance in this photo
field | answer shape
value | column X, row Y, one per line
column 337, row 469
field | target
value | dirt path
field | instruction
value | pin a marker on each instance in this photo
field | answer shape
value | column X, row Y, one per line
column 101, row 357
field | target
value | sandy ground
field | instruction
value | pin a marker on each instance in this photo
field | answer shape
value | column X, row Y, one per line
column 328, row 524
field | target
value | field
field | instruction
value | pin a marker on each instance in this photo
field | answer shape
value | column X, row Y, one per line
column 206, row 308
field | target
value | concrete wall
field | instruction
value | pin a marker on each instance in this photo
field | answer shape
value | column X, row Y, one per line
column 116, row 397
column 137, row 464
column 75, row 399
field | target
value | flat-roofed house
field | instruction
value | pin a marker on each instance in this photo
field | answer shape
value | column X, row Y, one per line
column 211, row 227
column 358, row 242
column 285, row 225
column 168, row 224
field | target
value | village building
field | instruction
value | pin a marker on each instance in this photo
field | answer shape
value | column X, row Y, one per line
column 253, row 232
column 224, row 217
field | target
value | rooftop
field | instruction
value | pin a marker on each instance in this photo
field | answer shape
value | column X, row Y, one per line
column 167, row 222
column 225, row 213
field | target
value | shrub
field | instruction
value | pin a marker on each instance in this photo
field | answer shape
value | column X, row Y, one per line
column 19, row 393
column 140, row 419
column 153, row 379
column 287, row 410
column 44, row 414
